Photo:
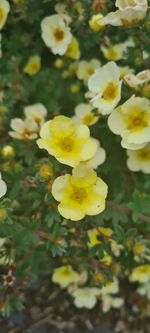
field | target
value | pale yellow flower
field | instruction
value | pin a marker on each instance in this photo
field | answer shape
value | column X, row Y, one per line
column 84, row 114
column 59, row 63
column 85, row 297
column 87, row 68
column 97, row 159
column 56, row 34
column 73, row 49
column 131, row 121
column 4, row 10
column 71, row 70
column 125, row 70
column 105, row 86
column 140, row 274
column 94, row 233
column 132, row 11
column 37, row 112
column 129, row 12
column 80, row 194
column 110, row 287
column 136, row 81
column 144, row 290
column 3, row 212
column 116, row 51
column 65, row 275
column 23, row 129
column 109, row 302
column 97, row 23
column 139, row 160
column 3, row 187
column 138, row 249
column 8, row 151
column 68, row 142
column 33, row 65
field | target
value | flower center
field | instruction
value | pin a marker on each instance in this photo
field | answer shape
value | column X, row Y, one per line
column 1, row 14
column 90, row 71
column 59, row 34
column 78, row 194
column 88, row 119
column 144, row 154
column 112, row 54
column 144, row 269
column 137, row 120
column 110, row 91
column 66, row 144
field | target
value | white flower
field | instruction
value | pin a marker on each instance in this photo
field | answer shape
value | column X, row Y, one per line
column 109, row 302
column 144, row 290
column 85, row 297
column 116, row 51
column 132, row 11
column 131, row 121
column 124, row 70
column 134, row 81
column 129, row 12
column 140, row 273
column 4, row 10
column 139, row 160
column 3, row 187
column 37, row 112
column 84, row 114
column 87, row 68
column 23, row 129
column 56, row 34
column 98, row 158
column 105, row 85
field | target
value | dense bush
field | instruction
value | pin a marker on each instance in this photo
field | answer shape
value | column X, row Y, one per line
column 72, row 72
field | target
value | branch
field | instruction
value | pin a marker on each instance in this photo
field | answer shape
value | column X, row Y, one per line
column 126, row 210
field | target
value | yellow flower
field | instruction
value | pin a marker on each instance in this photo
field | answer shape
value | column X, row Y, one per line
column 84, row 114
column 106, row 260
column 74, row 88
column 140, row 274
column 56, row 34
column 58, row 63
column 7, row 151
column 97, row 159
column 23, row 129
column 36, row 112
column 100, row 231
column 139, row 160
column 68, row 142
column 132, row 122
column 3, row 187
column 4, row 10
column 87, row 68
column 3, row 214
column 33, row 65
column 73, row 50
column 64, row 276
column 96, row 22
column 138, row 249
column 85, row 297
column 46, row 170
column 80, row 194
column 105, row 87
column 116, row 51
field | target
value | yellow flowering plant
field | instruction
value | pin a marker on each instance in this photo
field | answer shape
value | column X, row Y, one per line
column 75, row 152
